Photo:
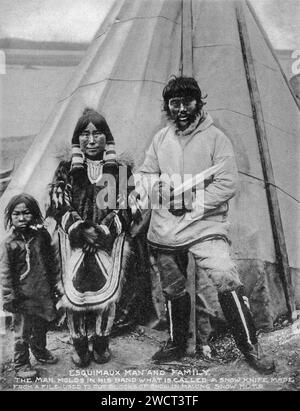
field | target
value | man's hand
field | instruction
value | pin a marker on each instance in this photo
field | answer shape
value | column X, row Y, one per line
column 177, row 213
column 165, row 194
column 161, row 192
column 177, row 207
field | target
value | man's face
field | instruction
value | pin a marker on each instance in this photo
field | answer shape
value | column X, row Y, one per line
column 92, row 142
column 183, row 111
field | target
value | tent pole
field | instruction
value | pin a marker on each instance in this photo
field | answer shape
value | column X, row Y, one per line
column 274, row 209
column 186, row 66
column 186, row 69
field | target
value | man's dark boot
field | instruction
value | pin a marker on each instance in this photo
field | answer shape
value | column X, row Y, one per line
column 81, row 355
column 101, row 351
column 235, row 308
column 178, row 320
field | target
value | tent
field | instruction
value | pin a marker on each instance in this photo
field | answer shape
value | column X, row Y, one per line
column 140, row 44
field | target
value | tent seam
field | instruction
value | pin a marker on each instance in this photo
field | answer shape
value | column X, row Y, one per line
column 136, row 18
column 108, row 79
column 248, row 116
column 237, row 48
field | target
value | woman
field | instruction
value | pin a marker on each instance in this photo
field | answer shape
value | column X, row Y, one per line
column 89, row 202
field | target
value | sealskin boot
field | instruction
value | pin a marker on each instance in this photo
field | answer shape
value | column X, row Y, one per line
column 178, row 319
column 169, row 352
column 239, row 317
column 258, row 360
column 81, row 354
column 101, row 351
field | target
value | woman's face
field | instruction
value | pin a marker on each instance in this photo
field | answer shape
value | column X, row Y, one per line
column 92, row 142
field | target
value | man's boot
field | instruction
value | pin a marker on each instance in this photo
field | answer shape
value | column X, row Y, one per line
column 237, row 313
column 101, row 351
column 81, row 355
column 178, row 320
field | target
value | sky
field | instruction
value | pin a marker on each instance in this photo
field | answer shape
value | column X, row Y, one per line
column 52, row 20
column 78, row 20
column 281, row 20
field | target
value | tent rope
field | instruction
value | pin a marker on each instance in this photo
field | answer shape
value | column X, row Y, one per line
column 272, row 184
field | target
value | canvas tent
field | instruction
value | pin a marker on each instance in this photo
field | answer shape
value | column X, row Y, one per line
column 140, row 44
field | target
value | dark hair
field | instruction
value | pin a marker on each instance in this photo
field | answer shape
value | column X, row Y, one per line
column 180, row 87
column 90, row 115
column 31, row 204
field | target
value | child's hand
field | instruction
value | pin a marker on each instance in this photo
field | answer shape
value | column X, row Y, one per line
column 206, row 352
column 60, row 313
column 11, row 307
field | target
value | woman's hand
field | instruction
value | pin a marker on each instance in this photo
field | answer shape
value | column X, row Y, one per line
column 90, row 236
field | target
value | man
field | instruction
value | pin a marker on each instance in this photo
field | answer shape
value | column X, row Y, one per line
column 189, row 145
column 88, row 201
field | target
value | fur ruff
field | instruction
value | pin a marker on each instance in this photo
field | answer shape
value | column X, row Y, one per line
column 63, row 153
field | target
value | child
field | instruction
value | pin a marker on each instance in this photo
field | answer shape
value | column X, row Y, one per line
column 28, row 273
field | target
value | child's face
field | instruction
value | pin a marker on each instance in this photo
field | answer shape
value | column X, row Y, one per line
column 21, row 217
